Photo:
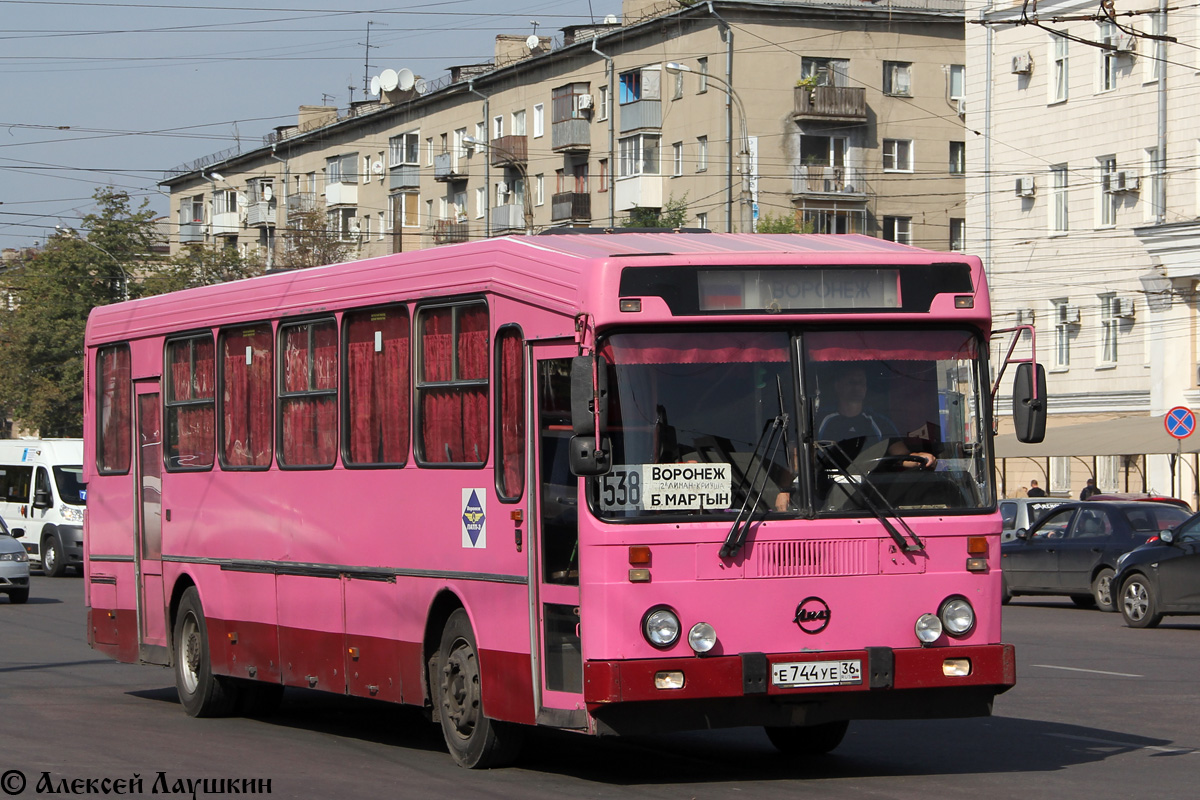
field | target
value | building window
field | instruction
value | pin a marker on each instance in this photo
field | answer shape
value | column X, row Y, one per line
column 480, row 201
column 701, row 153
column 958, row 158
column 702, row 70
column 341, row 169
column 1108, row 198
column 518, row 123
column 1108, row 58
column 898, row 229
column 539, row 120
column 823, row 151
column 639, row 155
column 1059, row 86
column 510, row 414
column 308, row 394
column 897, row 155
column 602, row 165
column 452, row 384
column 1062, row 333
column 958, row 234
column 564, row 102
column 539, row 189
column 826, row 71
column 1060, row 474
column 247, row 408
column 897, row 78
column 344, row 222
column 958, row 81
column 702, row 221
column 409, row 208
column 640, row 84
column 497, row 126
column 1108, row 328
column 114, row 410
column 378, row 387
column 225, row 201
column 677, row 158
column 602, row 111
column 429, row 151
column 1058, row 183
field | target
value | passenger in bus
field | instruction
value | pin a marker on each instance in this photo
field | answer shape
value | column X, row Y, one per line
column 855, row 429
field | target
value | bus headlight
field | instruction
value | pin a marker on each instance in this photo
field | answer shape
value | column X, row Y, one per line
column 660, row 626
column 957, row 615
column 702, row 637
column 928, row 628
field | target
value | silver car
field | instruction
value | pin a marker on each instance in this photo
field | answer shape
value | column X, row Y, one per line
column 14, row 567
column 1019, row 513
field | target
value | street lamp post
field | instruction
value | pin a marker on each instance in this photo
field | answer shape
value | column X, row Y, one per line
column 72, row 234
column 519, row 167
column 744, row 167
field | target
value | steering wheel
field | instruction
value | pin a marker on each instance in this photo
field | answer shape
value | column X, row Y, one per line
column 899, row 460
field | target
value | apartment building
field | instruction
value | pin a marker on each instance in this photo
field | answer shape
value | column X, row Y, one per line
column 844, row 114
column 1084, row 200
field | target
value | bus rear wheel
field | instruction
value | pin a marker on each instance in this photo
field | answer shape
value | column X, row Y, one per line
column 201, row 693
column 812, row 740
column 474, row 740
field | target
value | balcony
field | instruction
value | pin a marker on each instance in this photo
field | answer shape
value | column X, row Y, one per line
column 191, row 231
column 446, row 167
column 812, row 180
column 571, row 136
column 573, row 206
column 225, row 223
column 448, row 231
column 508, row 150
column 641, row 114
column 260, row 214
column 404, row 176
column 831, row 104
column 341, row 194
column 641, row 191
column 509, row 217
column 301, row 203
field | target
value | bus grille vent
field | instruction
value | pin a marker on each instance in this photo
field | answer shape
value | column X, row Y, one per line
column 817, row 558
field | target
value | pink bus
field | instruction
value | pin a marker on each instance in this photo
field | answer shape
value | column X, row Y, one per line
column 612, row 484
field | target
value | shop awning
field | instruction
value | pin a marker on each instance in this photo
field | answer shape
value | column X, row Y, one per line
column 1125, row 436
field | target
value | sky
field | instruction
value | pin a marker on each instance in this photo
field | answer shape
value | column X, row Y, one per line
column 96, row 93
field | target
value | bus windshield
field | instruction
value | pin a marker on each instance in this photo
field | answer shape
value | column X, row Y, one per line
column 704, row 424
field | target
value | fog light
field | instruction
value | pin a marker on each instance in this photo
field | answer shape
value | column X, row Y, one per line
column 928, row 628
column 661, row 627
column 956, row 667
column 976, row 565
column 957, row 616
column 668, row 680
column 702, row 637
column 639, row 576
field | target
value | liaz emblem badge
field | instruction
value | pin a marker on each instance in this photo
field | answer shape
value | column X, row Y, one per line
column 812, row 615
column 474, row 518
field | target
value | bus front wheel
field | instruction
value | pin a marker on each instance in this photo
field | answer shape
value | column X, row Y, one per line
column 474, row 740
column 201, row 693
column 813, row 740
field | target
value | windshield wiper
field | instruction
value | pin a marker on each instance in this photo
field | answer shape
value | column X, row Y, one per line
column 862, row 484
column 768, row 443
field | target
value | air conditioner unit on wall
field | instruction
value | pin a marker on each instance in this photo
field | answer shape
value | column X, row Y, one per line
column 1127, row 181
column 1126, row 307
column 1022, row 64
column 1071, row 315
column 585, row 102
column 1126, row 43
column 1026, row 186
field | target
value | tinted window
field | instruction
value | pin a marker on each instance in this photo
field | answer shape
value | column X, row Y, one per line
column 71, row 487
column 1152, row 519
column 1008, row 513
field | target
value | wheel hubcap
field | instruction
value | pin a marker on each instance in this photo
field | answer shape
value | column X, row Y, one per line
column 189, row 654
column 1136, row 601
column 48, row 558
column 460, row 690
column 1104, row 591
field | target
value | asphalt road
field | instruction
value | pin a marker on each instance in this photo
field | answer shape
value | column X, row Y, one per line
column 1099, row 710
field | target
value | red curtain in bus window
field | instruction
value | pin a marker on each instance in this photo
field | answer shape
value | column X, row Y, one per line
column 689, row 348
column 310, row 368
column 247, row 402
column 437, row 344
column 510, row 414
column 454, row 418
column 890, row 346
column 472, row 348
column 190, row 407
column 377, row 353
column 113, row 409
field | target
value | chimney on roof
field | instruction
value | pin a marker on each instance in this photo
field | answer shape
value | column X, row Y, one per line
column 511, row 47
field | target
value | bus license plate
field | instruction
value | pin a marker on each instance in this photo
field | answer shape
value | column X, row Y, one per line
column 816, row 673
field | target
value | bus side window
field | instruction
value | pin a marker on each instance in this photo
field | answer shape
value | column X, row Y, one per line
column 559, row 506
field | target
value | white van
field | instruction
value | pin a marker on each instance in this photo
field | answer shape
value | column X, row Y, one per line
column 42, row 497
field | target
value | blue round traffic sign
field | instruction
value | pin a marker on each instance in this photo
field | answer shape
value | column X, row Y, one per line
column 1180, row 422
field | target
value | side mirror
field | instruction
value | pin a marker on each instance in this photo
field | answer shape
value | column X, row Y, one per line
column 589, row 399
column 589, row 459
column 1021, row 534
column 1029, row 414
column 1167, row 536
column 16, row 533
column 42, row 499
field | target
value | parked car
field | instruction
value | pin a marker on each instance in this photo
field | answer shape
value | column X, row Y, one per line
column 1161, row 577
column 1023, row 512
column 1144, row 497
column 1073, row 549
column 14, row 567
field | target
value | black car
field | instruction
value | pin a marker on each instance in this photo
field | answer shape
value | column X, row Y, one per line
column 1161, row 577
column 1073, row 549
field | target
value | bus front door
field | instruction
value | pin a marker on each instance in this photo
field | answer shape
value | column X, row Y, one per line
column 554, row 545
column 151, row 607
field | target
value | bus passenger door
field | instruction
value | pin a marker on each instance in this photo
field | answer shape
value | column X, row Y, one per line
column 554, row 545
column 151, row 607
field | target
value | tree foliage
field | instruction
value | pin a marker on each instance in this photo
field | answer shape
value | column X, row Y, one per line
column 784, row 223
column 310, row 242
column 199, row 266
column 672, row 215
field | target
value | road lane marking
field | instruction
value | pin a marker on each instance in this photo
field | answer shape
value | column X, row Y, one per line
column 1130, row 745
column 1092, row 671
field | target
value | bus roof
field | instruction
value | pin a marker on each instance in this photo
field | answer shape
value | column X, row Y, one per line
column 552, row 271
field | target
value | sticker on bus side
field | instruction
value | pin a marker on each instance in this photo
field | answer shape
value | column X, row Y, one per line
column 474, row 518
column 667, row 487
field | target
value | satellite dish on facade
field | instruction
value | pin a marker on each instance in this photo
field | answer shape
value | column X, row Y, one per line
column 374, row 85
column 404, row 78
column 533, row 42
column 420, row 86
column 611, row 19
column 388, row 80
column 268, row 192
